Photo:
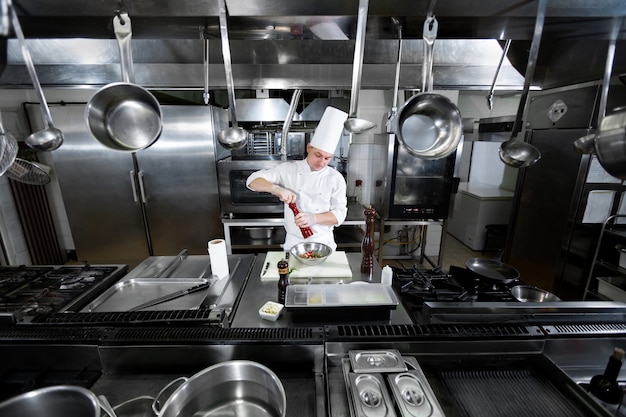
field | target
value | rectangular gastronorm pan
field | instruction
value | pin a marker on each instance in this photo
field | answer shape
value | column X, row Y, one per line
column 413, row 395
column 132, row 292
column 355, row 410
column 384, row 360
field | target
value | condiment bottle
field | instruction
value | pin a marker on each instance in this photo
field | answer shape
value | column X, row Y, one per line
column 306, row 231
column 283, row 279
column 605, row 386
column 386, row 276
column 367, row 246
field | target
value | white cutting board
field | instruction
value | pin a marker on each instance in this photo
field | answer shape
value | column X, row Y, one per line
column 336, row 266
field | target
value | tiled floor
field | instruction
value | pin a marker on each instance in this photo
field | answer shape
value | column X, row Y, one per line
column 454, row 253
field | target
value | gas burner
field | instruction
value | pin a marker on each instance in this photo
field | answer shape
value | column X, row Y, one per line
column 417, row 286
column 28, row 291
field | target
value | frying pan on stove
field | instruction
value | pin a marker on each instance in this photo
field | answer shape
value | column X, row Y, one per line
column 492, row 269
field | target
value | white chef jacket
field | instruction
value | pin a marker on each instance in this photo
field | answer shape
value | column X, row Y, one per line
column 317, row 191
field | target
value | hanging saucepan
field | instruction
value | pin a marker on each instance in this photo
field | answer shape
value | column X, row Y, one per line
column 353, row 124
column 609, row 142
column 517, row 153
column 234, row 137
column 124, row 116
column 429, row 125
column 492, row 269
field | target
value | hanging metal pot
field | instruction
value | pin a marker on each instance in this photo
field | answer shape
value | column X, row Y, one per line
column 124, row 116
column 429, row 125
column 609, row 142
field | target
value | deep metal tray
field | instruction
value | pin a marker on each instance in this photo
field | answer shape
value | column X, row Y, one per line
column 132, row 292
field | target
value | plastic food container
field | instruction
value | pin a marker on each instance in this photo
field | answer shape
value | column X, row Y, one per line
column 271, row 310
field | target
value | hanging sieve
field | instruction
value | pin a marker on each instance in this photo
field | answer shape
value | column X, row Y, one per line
column 8, row 149
column 29, row 172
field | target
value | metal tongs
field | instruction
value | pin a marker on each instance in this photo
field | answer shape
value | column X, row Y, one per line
column 172, row 296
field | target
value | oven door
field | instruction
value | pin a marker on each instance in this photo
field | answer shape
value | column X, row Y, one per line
column 418, row 188
column 236, row 200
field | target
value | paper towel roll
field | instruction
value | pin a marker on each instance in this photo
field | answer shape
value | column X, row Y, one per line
column 218, row 258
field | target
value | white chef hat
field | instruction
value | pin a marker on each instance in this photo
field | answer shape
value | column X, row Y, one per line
column 329, row 130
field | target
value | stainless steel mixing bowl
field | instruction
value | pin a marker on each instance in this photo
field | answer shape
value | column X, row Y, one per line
column 528, row 293
column 320, row 251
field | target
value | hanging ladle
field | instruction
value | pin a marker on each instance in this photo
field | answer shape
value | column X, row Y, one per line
column 353, row 124
column 517, row 153
column 49, row 138
column 234, row 137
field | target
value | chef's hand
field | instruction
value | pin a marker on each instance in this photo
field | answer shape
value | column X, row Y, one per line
column 283, row 194
column 305, row 219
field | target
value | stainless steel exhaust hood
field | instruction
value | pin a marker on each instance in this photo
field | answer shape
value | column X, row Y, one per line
column 279, row 44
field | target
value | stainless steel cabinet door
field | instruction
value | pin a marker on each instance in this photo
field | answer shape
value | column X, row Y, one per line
column 96, row 183
column 179, row 181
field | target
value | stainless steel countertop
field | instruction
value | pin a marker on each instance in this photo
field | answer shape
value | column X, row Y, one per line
column 221, row 294
column 257, row 292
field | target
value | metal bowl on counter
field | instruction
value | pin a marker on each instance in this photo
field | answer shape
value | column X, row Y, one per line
column 528, row 293
column 311, row 253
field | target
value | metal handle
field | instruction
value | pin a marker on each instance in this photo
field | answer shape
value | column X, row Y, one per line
column 142, row 190
column 30, row 66
column 610, row 57
column 123, row 34
column 396, row 85
column 530, row 67
column 429, row 35
column 133, row 186
column 156, row 404
column 359, row 46
column 205, row 95
column 292, row 111
column 507, row 45
column 230, row 84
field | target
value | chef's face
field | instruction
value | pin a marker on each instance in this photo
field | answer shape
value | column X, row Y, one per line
column 317, row 158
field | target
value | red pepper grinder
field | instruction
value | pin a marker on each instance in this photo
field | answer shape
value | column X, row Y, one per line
column 306, row 231
column 367, row 246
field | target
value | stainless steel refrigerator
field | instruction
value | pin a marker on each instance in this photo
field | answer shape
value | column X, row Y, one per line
column 123, row 207
column 552, row 235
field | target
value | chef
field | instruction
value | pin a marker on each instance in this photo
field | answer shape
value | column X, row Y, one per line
column 318, row 190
